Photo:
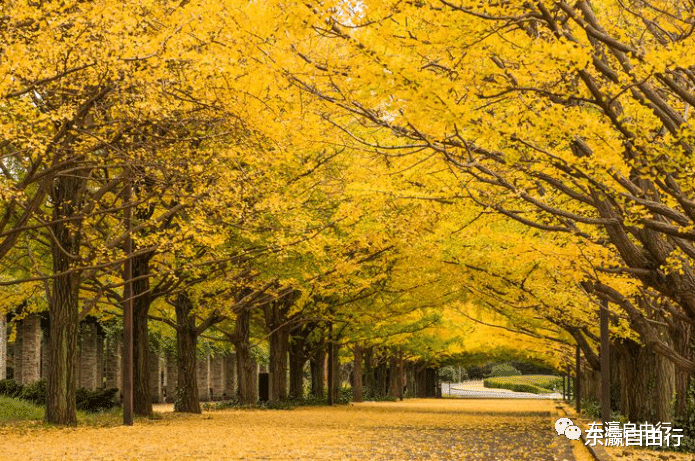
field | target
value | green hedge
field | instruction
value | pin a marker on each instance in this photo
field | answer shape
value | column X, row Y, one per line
column 91, row 400
column 535, row 384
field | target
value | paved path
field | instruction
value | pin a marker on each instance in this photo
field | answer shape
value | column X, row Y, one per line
column 476, row 390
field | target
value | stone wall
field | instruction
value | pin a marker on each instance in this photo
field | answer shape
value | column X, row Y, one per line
column 229, row 391
column 87, row 360
column 203, row 377
column 172, row 378
column 113, row 349
column 30, row 351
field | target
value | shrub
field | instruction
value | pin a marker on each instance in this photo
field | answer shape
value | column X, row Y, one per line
column 97, row 399
column 504, row 369
column 34, row 392
column 10, row 388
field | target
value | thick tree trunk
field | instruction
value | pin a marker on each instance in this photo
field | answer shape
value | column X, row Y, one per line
column 682, row 337
column 279, row 343
column 333, row 372
column 3, row 347
column 142, row 393
column 393, row 377
column 297, row 361
column 246, row 366
column 646, row 383
column 357, row 374
column 63, row 304
column 279, row 334
column 317, row 363
column 186, row 399
column 380, row 379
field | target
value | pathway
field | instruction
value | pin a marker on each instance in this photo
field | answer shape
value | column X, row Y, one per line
column 476, row 390
column 418, row 429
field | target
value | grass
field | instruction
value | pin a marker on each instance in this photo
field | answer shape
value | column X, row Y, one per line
column 535, row 384
column 18, row 410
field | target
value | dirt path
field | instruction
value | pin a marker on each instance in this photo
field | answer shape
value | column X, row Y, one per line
column 446, row 429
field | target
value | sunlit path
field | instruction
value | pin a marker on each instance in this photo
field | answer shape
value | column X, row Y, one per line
column 476, row 390
column 412, row 430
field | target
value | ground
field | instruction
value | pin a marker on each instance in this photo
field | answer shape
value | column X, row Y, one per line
column 416, row 429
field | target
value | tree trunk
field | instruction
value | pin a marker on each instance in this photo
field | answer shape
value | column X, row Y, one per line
column 334, row 372
column 297, row 361
column 3, row 347
column 393, row 377
column 186, row 399
column 381, row 382
column 142, row 394
column 63, row 304
column 279, row 342
column 369, row 378
column 682, row 338
column 401, row 376
column 646, row 383
column 317, row 363
column 246, row 366
column 357, row 374
column 277, row 322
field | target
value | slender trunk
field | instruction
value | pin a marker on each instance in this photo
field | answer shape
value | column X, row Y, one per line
column 683, row 341
column 401, row 376
column 186, row 400
column 331, row 372
column 369, row 378
column 297, row 361
column 318, row 365
column 357, row 374
column 63, row 304
column 3, row 347
column 142, row 395
column 334, row 386
column 246, row 366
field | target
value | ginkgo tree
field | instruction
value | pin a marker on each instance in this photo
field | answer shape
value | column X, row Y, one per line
column 568, row 118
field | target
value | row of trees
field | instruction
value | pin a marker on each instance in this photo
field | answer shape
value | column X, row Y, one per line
column 571, row 119
column 166, row 124
column 384, row 176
